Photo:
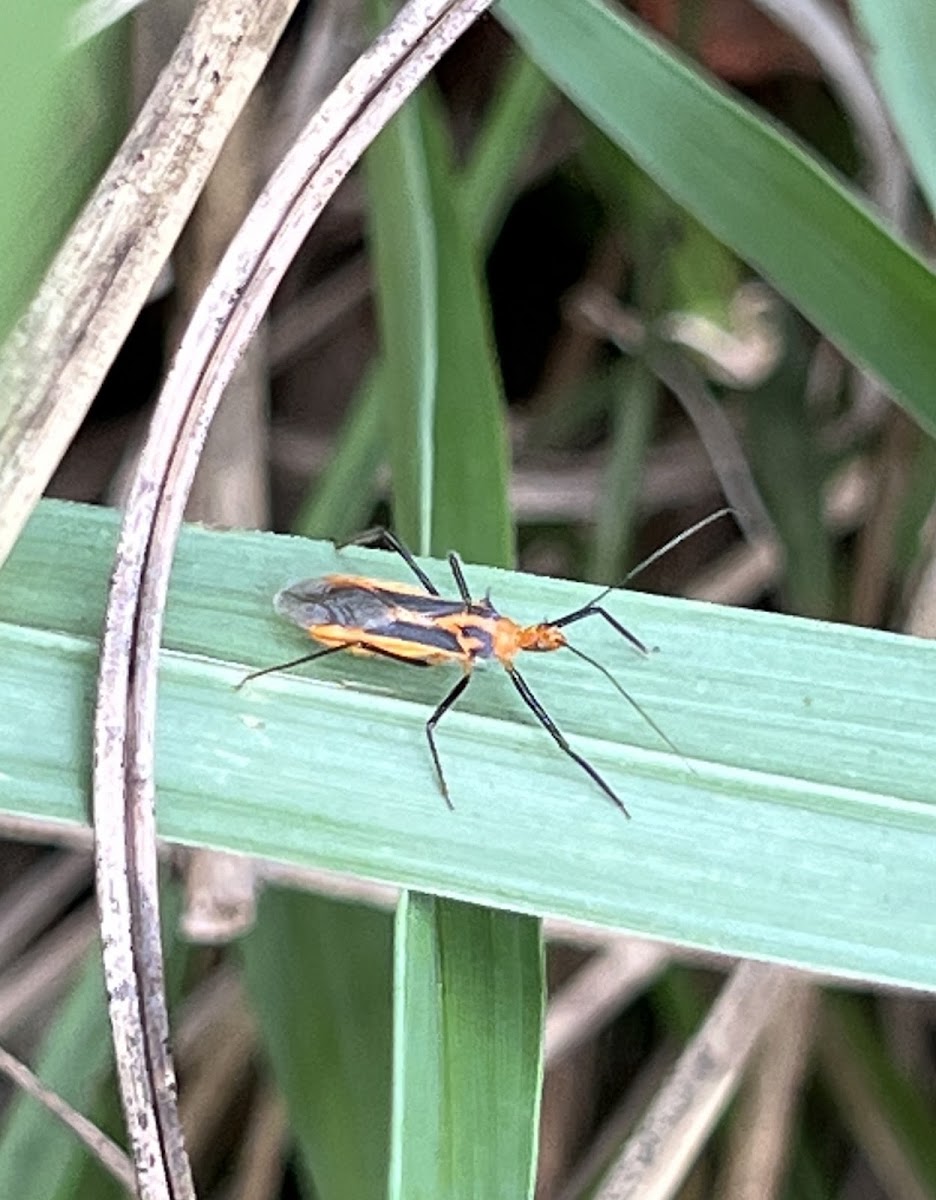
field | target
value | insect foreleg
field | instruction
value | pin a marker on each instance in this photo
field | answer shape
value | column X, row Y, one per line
column 595, row 610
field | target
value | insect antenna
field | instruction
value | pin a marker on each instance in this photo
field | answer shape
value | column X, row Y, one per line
column 665, row 549
column 727, row 511
column 632, row 702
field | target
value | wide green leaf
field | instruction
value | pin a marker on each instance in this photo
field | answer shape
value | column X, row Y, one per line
column 801, row 827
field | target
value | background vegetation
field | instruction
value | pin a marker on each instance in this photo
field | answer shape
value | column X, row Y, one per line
column 580, row 293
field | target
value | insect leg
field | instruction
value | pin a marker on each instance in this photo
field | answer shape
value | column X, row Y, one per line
column 558, row 737
column 294, row 662
column 434, row 719
column 595, row 610
column 381, row 653
column 430, row 726
column 383, row 539
column 459, row 576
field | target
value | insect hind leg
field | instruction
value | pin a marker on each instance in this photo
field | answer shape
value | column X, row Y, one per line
column 382, row 539
column 286, row 666
column 378, row 651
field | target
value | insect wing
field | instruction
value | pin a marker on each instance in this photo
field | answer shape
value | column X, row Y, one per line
column 314, row 602
column 355, row 603
column 435, row 624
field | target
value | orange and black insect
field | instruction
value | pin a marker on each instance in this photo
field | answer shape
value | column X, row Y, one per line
column 418, row 626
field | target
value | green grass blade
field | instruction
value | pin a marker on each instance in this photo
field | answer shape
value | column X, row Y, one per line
column 874, row 1083
column 343, row 499
column 901, row 40
column 403, row 244
column 469, row 1015
column 62, row 112
column 481, row 192
column 790, row 469
column 319, row 975
column 39, row 1157
column 756, row 190
column 806, row 832
column 615, row 517
column 910, row 541
column 470, row 506
column 487, row 183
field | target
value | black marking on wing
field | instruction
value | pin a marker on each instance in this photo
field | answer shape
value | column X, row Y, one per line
column 321, row 602
column 480, row 641
column 422, row 635
column 434, row 606
column 424, row 605
column 316, row 602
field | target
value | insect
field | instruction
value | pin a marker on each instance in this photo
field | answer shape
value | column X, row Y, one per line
column 418, row 626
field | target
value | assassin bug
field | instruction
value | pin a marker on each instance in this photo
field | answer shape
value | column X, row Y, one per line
column 418, row 626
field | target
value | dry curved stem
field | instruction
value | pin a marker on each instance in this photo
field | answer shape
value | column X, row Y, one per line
column 52, row 364
column 229, row 313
